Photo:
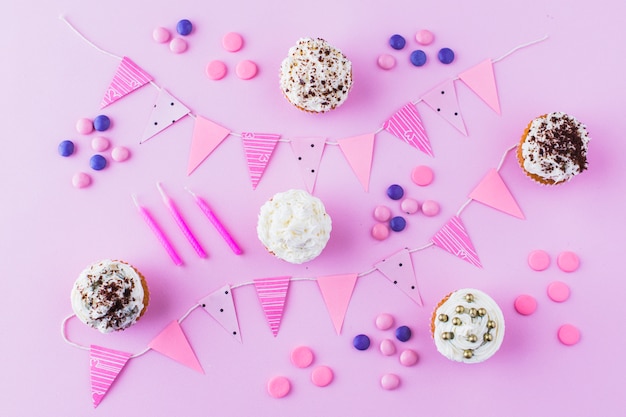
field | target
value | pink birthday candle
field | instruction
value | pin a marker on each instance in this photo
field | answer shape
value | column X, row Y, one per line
column 145, row 214
column 216, row 223
column 182, row 225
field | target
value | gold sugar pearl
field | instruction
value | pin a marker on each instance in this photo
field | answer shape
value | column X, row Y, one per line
column 491, row 324
column 467, row 354
column 472, row 338
column 460, row 309
column 469, row 298
column 447, row 335
column 487, row 337
column 457, row 321
column 473, row 312
column 482, row 312
column 443, row 318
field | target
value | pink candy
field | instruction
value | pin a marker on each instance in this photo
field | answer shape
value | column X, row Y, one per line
column 246, row 70
column 386, row 61
column 387, row 347
column 568, row 261
column 216, row 70
column 409, row 206
column 538, row 260
column 278, row 386
column 382, row 213
column 424, row 37
column 408, row 357
column 161, row 35
column 525, row 304
column 178, row 45
column 100, row 144
column 430, row 208
column 81, row 180
column 568, row 334
column 302, row 357
column 390, row 381
column 84, row 126
column 322, row 376
column 232, row 42
column 380, row 231
column 120, row 154
column 422, row 175
column 558, row 291
column 384, row 321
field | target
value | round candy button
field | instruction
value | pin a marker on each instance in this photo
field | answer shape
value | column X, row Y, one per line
column 101, row 123
column 184, row 27
column 382, row 213
column 558, row 291
column 384, row 321
column 397, row 42
column 380, row 231
column 232, row 42
column 408, row 357
column 424, row 37
column 120, row 154
column 246, row 70
column 418, row 58
column 395, row 192
column 525, row 304
column 568, row 261
column 386, row 61
column 100, row 144
column 66, row 148
column 403, row 333
column 397, row 224
column 446, row 55
column 322, row 376
column 422, row 175
column 568, row 334
column 538, row 260
column 84, row 126
column 278, row 386
column 390, row 381
column 302, row 357
column 97, row 162
column 387, row 347
column 361, row 342
column 178, row 45
column 81, row 180
column 216, row 70
column 430, row 208
column 161, row 35
column 409, row 206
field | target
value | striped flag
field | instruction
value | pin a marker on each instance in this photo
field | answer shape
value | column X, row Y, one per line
column 406, row 124
column 453, row 238
column 105, row 366
column 258, row 148
column 128, row 77
column 272, row 293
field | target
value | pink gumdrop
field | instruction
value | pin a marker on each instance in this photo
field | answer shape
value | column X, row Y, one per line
column 422, row 175
column 424, row 37
column 216, row 70
column 558, row 291
column 390, row 381
column 161, row 35
column 430, row 208
column 120, row 154
column 408, row 357
column 302, row 356
column 384, row 321
column 568, row 334
column 278, row 386
column 246, row 70
column 386, row 61
column 100, row 144
column 232, row 42
column 568, row 261
column 525, row 304
column 322, row 376
column 382, row 213
column 84, row 126
column 387, row 347
column 178, row 45
column 380, row 231
column 409, row 206
column 538, row 260
column 81, row 180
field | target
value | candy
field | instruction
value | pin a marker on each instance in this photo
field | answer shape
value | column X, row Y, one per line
column 422, row 175
column 322, row 376
column 101, row 123
column 525, row 304
column 66, row 148
column 278, row 386
column 418, row 58
column 424, row 37
column 100, row 144
column 538, row 260
column 97, row 162
column 120, row 154
column 216, row 70
column 384, row 321
column 430, row 208
column 390, row 381
column 403, row 333
column 361, row 342
column 397, row 224
column 81, row 180
column 178, row 45
column 445, row 55
column 568, row 334
column 395, row 192
column 380, row 231
column 184, row 27
column 84, row 126
column 409, row 206
column 386, row 61
column 568, row 261
column 382, row 213
column 232, row 42
column 408, row 357
column 246, row 70
column 397, row 42
column 302, row 357
column 161, row 35
column 387, row 347
column 558, row 291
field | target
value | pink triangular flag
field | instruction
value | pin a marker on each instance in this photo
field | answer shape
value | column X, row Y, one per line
column 167, row 110
column 358, row 151
column 406, row 124
column 272, row 294
column 308, row 152
column 104, row 367
column 173, row 343
column 453, row 238
column 128, row 77
column 481, row 80
column 493, row 192
column 258, row 148
column 398, row 268
column 206, row 136
column 220, row 305
column 337, row 292
column 443, row 100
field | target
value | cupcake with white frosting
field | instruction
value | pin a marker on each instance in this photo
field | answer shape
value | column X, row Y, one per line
column 294, row 226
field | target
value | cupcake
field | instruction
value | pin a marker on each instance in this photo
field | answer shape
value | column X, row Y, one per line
column 294, row 226
column 315, row 76
column 467, row 326
column 553, row 148
column 110, row 295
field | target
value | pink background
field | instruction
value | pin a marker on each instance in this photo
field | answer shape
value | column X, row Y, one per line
column 51, row 231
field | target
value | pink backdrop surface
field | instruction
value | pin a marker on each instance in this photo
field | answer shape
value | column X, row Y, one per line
column 49, row 231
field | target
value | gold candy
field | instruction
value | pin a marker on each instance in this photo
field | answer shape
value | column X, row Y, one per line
column 482, row 312
column 473, row 312
column 467, row 354
column 443, row 317
column 487, row 337
column 447, row 335
column 460, row 309
column 472, row 338
column 457, row 321
column 469, row 298
column 491, row 324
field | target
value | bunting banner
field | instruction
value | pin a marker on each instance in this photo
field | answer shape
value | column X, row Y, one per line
column 166, row 111
column 258, row 148
column 104, row 367
column 127, row 78
column 359, row 151
column 453, row 238
column 398, row 268
column 406, row 124
column 443, row 100
column 308, row 153
column 173, row 343
column 206, row 136
column 220, row 305
column 272, row 293
column 493, row 192
column 481, row 80
column 337, row 292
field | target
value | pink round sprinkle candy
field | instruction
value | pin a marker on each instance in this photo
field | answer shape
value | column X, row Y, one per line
column 100, row 144
column 322, row 376
column 384, row 321
column 387, row 347
column 386, row 61
column 178, row 45
column 278, row 386
column 81, row 180
column 216, row 70
column 390, row 381
column 422, row 175
column 382, row 213
column 558, row 291
column 525, row 304
column 568, row 261
column 380, row 231
column 246, row 70
column 538, row 260
column 84, row 126
column 408, row 357
column 568, row 334
column 120, row 154
column 161, row 35
column 302, row 357
column 424, row 37
column 232, row 42
column 409, row 206
column 430, row 208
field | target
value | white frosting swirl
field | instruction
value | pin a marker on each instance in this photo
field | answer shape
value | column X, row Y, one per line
column 108, row 295
column 460, row 336
column 315, row 76
column 294, row 226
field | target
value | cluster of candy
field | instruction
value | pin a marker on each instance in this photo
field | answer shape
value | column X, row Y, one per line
column 417, row 57
column 97, row 162
column 422, row 176
column 558, row 291
column 301, row 357
column 245, row 70
column 408, row 357
column 177, row 44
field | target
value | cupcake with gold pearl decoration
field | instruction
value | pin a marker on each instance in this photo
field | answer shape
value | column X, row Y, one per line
column 467, row 326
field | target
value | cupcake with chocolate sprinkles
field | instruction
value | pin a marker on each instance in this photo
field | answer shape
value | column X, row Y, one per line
column 110, row 295
column 315, row 77
column 553, row 148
